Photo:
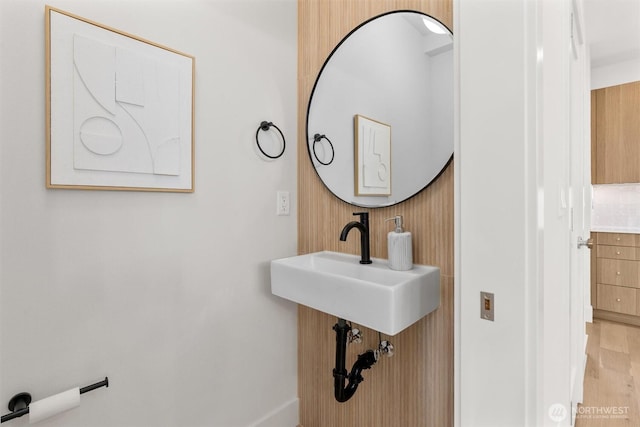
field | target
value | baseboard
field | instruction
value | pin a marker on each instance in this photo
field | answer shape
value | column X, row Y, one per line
column 287, row 415
column 616, row 317
column 588, row 313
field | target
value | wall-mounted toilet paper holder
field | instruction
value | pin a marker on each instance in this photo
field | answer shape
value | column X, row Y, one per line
column 19, row 404
column 19, row 401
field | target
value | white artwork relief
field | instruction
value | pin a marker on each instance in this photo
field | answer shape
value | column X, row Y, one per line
column 126, row 111
column 373, row 164
column 119, row 109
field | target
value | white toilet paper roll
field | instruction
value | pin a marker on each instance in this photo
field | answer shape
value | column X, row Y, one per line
column 53, row 405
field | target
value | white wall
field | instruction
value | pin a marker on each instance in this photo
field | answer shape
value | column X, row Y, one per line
column 512, row 216
column 491, row 198
column 167, row 294
column 615, row 74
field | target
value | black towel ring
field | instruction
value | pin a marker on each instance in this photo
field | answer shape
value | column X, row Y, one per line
column 265, row 127
column 316, row 138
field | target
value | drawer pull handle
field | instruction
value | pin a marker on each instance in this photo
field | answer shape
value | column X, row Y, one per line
column 617, row 252
column 617, row 273
column 618, row 299
column 618, row 239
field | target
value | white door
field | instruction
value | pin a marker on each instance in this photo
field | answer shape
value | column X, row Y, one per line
column 580, row 204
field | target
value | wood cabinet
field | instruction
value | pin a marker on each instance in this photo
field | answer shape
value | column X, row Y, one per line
column 616, row 134
column 616, row 282
column 617, row 299
column 615, row 159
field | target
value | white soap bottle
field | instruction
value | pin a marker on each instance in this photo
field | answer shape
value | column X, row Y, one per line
column 399, row 246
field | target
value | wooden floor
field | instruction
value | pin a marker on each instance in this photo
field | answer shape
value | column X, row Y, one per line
column 612, row 377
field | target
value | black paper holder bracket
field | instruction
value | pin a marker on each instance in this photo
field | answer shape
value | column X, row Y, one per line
column 19, row 404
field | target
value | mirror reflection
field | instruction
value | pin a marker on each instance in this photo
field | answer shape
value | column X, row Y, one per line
column 383, row 104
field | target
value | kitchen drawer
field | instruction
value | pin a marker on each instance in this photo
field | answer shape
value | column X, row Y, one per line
column 618, row 272
column 618, row 299
column 617, row 239
column 618, row 252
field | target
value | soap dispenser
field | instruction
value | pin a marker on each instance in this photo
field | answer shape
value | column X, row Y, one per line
column 399, row 246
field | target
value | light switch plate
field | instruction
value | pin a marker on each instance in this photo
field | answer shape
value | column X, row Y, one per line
column 487, row 306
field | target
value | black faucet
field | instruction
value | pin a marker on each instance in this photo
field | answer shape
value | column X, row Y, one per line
column 363, row 226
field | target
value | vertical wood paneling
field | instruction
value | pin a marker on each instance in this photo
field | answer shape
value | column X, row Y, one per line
column 414, row 387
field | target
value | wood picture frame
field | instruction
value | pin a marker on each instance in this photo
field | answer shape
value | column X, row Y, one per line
column 372, row 157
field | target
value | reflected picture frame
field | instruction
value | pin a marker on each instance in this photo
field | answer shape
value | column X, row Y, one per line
column 119, row 109
column 372, row 157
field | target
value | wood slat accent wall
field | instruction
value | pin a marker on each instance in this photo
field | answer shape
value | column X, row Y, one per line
column 415, row 387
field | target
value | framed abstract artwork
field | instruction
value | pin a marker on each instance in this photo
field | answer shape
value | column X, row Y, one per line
column 119, row 109
column 372, row 156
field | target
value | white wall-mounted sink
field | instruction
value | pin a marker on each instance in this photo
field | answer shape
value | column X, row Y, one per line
column 370, row 295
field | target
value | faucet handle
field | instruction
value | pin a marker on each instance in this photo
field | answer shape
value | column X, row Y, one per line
column 364, row 216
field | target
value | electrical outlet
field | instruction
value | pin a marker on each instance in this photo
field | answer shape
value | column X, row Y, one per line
column 487, row 306
column 282, row 203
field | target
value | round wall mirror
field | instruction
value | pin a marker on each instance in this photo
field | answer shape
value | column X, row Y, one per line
column 380, row 116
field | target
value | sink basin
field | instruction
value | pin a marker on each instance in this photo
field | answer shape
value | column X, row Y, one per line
column 370, row 295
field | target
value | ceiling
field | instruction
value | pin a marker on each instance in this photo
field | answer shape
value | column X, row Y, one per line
column 612, row 30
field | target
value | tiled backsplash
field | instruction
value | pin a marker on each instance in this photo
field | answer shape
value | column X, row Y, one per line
column 616, row 208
